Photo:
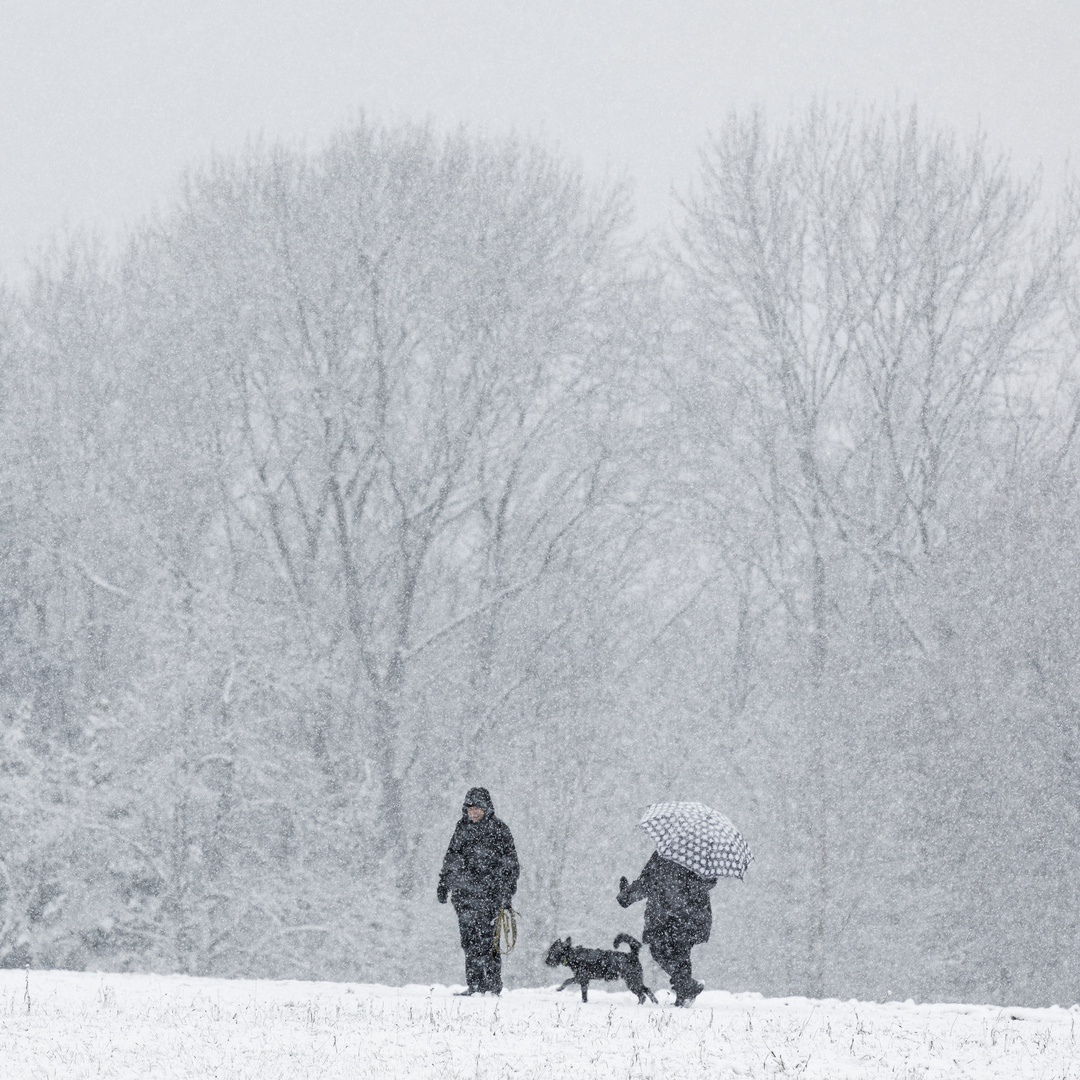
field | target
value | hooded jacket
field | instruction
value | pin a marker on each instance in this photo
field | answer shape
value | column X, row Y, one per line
column 481, row 863
column 676, row 899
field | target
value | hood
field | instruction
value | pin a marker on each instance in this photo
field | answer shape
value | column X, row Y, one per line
column 478, row 796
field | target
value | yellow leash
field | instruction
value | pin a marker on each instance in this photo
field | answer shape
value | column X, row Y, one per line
column 505, row 931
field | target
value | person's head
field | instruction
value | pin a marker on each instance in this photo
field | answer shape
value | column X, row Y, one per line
column 477, row 804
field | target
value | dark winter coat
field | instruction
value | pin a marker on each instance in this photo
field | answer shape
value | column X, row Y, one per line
column 676, row 899
column 481, row 863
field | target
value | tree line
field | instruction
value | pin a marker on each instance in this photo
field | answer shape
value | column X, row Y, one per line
column 360, row 476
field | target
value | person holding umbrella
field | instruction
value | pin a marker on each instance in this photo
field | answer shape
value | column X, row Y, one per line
column 694, row 846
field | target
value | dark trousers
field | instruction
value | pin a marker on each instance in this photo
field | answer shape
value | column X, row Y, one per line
column 483, row 965
column 673, row 955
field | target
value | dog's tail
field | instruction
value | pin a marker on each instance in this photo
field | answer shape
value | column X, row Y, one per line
column 632, row 942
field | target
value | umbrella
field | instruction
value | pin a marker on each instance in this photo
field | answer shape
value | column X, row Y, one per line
column 697, row 837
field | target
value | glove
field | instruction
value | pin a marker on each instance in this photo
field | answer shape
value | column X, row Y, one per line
column 442, row 892
column 623, row 886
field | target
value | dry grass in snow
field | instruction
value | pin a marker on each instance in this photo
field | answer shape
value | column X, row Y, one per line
column 74, row 1025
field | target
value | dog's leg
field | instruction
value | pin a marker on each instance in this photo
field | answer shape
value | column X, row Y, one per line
column 584, row 989
column 652, row 996
column 572, row 979
column 635, row 979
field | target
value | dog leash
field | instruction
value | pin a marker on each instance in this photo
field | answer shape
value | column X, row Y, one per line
column 505, row 932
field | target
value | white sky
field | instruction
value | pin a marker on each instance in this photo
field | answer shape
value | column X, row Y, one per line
column 104, row 102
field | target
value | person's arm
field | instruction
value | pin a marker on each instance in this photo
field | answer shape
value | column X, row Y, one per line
column 639, row 890
column 509, row 869
column 453, row 865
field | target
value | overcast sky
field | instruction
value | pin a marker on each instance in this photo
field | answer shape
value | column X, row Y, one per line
column 104, row 102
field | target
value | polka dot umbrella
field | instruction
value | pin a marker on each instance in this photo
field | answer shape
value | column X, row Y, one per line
column 697, row 837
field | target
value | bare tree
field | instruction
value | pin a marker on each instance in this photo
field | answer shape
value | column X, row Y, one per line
column 868, row 309
column 402, row 340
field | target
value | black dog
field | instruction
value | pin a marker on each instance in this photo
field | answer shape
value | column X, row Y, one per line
column 604, row 964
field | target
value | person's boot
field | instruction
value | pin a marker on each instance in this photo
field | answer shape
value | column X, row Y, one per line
column 492, row 980
column 687, row 995
column 474, row 976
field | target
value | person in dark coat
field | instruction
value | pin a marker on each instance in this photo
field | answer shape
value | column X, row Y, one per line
column 479, row 874
column 678, row 916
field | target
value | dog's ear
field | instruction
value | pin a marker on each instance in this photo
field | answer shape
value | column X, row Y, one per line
column 568, row 942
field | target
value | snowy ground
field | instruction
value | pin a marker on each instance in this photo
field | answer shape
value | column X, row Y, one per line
column 65, row 1024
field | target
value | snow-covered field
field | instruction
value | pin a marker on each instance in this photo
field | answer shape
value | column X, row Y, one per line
column 65, row 1024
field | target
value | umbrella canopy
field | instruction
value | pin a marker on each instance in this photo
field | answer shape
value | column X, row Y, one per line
column 697, row 837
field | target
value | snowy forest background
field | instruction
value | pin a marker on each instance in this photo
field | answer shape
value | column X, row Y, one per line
column 364, row 475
